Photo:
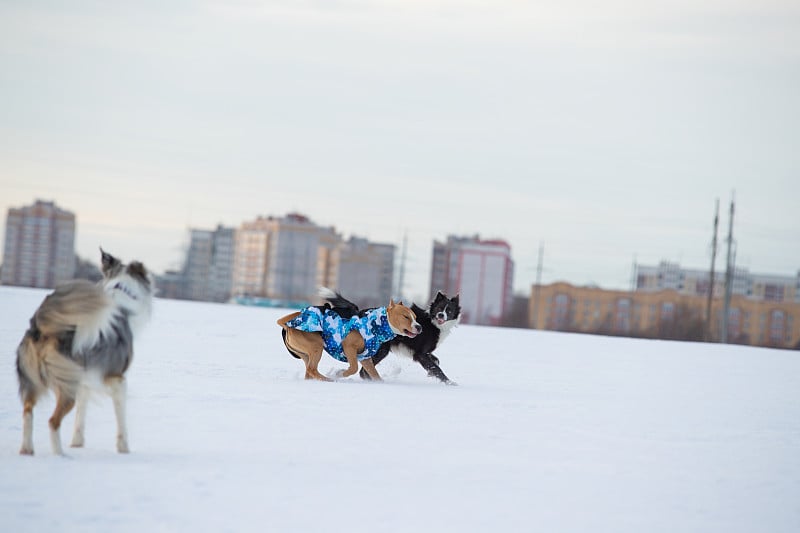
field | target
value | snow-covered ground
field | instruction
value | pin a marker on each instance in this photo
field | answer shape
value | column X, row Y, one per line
column 546, row 432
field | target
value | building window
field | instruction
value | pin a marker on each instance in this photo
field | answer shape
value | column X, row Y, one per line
column 773, row 293
column 560, row 319
column 734, row 323
column 777, row 327
column 622, row 318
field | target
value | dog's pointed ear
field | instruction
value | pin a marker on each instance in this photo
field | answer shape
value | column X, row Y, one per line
column 455, row 298
column 391, row 303
column 108, row 261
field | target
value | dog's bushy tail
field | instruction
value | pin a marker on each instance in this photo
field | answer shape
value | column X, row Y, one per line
column 74, row 313
column 40, row 365
column 74, row 304
column 344, row 307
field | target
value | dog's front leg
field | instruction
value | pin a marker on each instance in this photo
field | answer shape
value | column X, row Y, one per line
column 431, row 363
column 352, row 364
column 118, row 389
column 372, row 372
column 81, row 402
column 383, row 351
column 351, row 346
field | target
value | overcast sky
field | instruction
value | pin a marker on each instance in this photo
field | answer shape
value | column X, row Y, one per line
column 604, row 130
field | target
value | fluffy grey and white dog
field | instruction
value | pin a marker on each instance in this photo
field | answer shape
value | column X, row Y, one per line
column 81, row 334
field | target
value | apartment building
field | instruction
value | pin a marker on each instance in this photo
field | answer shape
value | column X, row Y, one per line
column 481, row 271
column 39, row 246
column 279, row 258
column 362, row 271
column 663, row 314
column 208, row 270
column 672, row 276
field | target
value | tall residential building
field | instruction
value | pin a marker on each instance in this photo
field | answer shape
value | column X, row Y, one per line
column 39, row 249
column 481, row 271
column 663, row 314
column 362, row 271
column 208, row 271
column 280, row 258
column 672, row 276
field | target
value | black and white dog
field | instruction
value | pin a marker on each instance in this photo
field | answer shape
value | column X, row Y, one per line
column 437, row 322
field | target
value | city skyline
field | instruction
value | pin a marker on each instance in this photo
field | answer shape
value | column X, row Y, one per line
column 607, row 134
column 89, row 250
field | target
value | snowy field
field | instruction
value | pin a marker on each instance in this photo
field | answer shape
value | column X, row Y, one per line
column 546, row 432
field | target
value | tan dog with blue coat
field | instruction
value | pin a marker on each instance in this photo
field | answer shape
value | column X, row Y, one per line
column 351, row 339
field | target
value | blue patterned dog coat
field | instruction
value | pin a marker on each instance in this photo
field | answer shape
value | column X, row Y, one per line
column 373, row 326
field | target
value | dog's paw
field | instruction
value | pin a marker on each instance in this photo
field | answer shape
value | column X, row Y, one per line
column 450, row 382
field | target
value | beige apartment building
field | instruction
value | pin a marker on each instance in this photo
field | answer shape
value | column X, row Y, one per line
column 663, row 314
column 278, row 257
column 284, row 260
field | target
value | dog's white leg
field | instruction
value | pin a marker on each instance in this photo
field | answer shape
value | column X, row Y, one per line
column 27, row 432
column 81, row 403
column 118, row 394
column 55, row 441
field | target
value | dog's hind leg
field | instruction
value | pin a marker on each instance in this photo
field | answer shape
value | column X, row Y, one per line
column 31, row 387
column 27, row 425
column 312, row 366
column 64, row 404
column 81, row 403
column 118, row 388
column 308, row 347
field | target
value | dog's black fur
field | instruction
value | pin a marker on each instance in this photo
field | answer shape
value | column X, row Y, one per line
column 441, row 316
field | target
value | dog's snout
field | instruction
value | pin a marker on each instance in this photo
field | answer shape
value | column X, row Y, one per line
column 417, row 328
column 441, row 315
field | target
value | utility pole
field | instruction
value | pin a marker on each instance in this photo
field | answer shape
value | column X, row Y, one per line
column 402, row 271
column 537, row 287
column 711, row 273
column 728, row 277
